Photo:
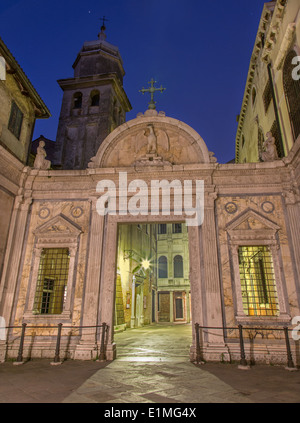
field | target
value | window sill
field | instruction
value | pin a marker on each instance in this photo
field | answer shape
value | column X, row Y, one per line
column 64, row 317
column 282, row 319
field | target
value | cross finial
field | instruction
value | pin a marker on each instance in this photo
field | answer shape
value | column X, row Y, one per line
column 103, row 22
column 152, row 90
column 102, row 35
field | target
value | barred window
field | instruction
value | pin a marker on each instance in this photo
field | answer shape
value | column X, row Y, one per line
column 15, row 120
column 258, row 281
column 292, row 92
column 52, row 281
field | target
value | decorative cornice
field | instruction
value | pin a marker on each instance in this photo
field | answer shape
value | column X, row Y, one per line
column 273, row 18
column 26, row 88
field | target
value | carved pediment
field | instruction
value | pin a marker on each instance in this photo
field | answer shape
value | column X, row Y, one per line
column 251, row 225
column 58, row 226
column 151, row 141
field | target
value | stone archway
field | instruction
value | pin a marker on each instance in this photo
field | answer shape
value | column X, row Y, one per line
column 154, row 146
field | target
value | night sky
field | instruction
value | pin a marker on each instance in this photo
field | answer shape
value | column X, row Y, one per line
column 198, row 50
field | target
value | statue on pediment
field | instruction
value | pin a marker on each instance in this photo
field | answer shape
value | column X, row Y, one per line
column 40, row 161
column 270, row 151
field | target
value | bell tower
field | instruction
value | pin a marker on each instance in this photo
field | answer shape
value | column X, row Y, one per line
column 94, row 103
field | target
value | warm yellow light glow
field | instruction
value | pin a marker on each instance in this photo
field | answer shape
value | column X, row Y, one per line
column 146, row 264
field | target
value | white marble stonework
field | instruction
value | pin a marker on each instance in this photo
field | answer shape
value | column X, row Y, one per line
column 235, row 195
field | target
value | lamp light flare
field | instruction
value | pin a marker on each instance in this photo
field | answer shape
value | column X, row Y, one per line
column 146, row 264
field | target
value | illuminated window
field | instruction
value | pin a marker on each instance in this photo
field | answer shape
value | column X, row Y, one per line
column 163, row 267
column 258, row 281
column 178, row 267
column 15, row 120
column 52, row 281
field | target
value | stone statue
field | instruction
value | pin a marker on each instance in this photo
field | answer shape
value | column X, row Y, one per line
column 152, row 140
column 40, row 161
column 270, row 154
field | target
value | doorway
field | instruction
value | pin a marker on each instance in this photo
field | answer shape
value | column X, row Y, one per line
column 152, row 275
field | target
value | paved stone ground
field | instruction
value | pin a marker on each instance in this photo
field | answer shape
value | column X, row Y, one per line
column 152, row 367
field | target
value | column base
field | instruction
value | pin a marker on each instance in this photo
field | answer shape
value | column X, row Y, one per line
column 211, row 352
column 86, row 351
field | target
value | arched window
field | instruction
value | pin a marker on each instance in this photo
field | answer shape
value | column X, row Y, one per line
column 95, row 98
column 77, row 101
column 178, row 267
column 292, row 92
column 163, row 267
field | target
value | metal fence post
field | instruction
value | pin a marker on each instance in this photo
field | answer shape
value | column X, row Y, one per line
column 102, row 356
column 243, row 361
column 57, row 349
column 290, row 364
column 197, row 343
column 20, row 353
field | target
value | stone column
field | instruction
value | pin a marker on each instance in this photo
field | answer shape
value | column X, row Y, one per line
column 132, row 321
column 196, row 283
column 13, row 255
column 213, row 338
column 108, row 284
column 187, row 306
column 292, row 201
column 87, row 347
column 171, row 306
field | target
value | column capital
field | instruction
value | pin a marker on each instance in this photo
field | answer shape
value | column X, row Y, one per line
column 291, row 196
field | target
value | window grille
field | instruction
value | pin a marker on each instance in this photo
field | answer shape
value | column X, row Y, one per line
column 178, row 267
column 292, row 93
column 52, row 281
column 15, row 120
column 258, row 285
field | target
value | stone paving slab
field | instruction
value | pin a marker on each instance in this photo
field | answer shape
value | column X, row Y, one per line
column 147, row 380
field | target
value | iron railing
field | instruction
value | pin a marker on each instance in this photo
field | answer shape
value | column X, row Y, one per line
column 60, row 327
column 241, row 338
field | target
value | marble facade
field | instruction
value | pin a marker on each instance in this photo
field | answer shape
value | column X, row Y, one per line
column 245, row 204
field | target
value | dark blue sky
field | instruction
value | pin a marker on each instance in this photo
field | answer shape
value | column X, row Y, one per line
column 198, row 49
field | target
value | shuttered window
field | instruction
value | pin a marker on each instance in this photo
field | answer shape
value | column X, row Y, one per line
column 15, row 120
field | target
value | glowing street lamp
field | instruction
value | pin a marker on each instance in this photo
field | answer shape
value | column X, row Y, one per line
column 146, row 264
